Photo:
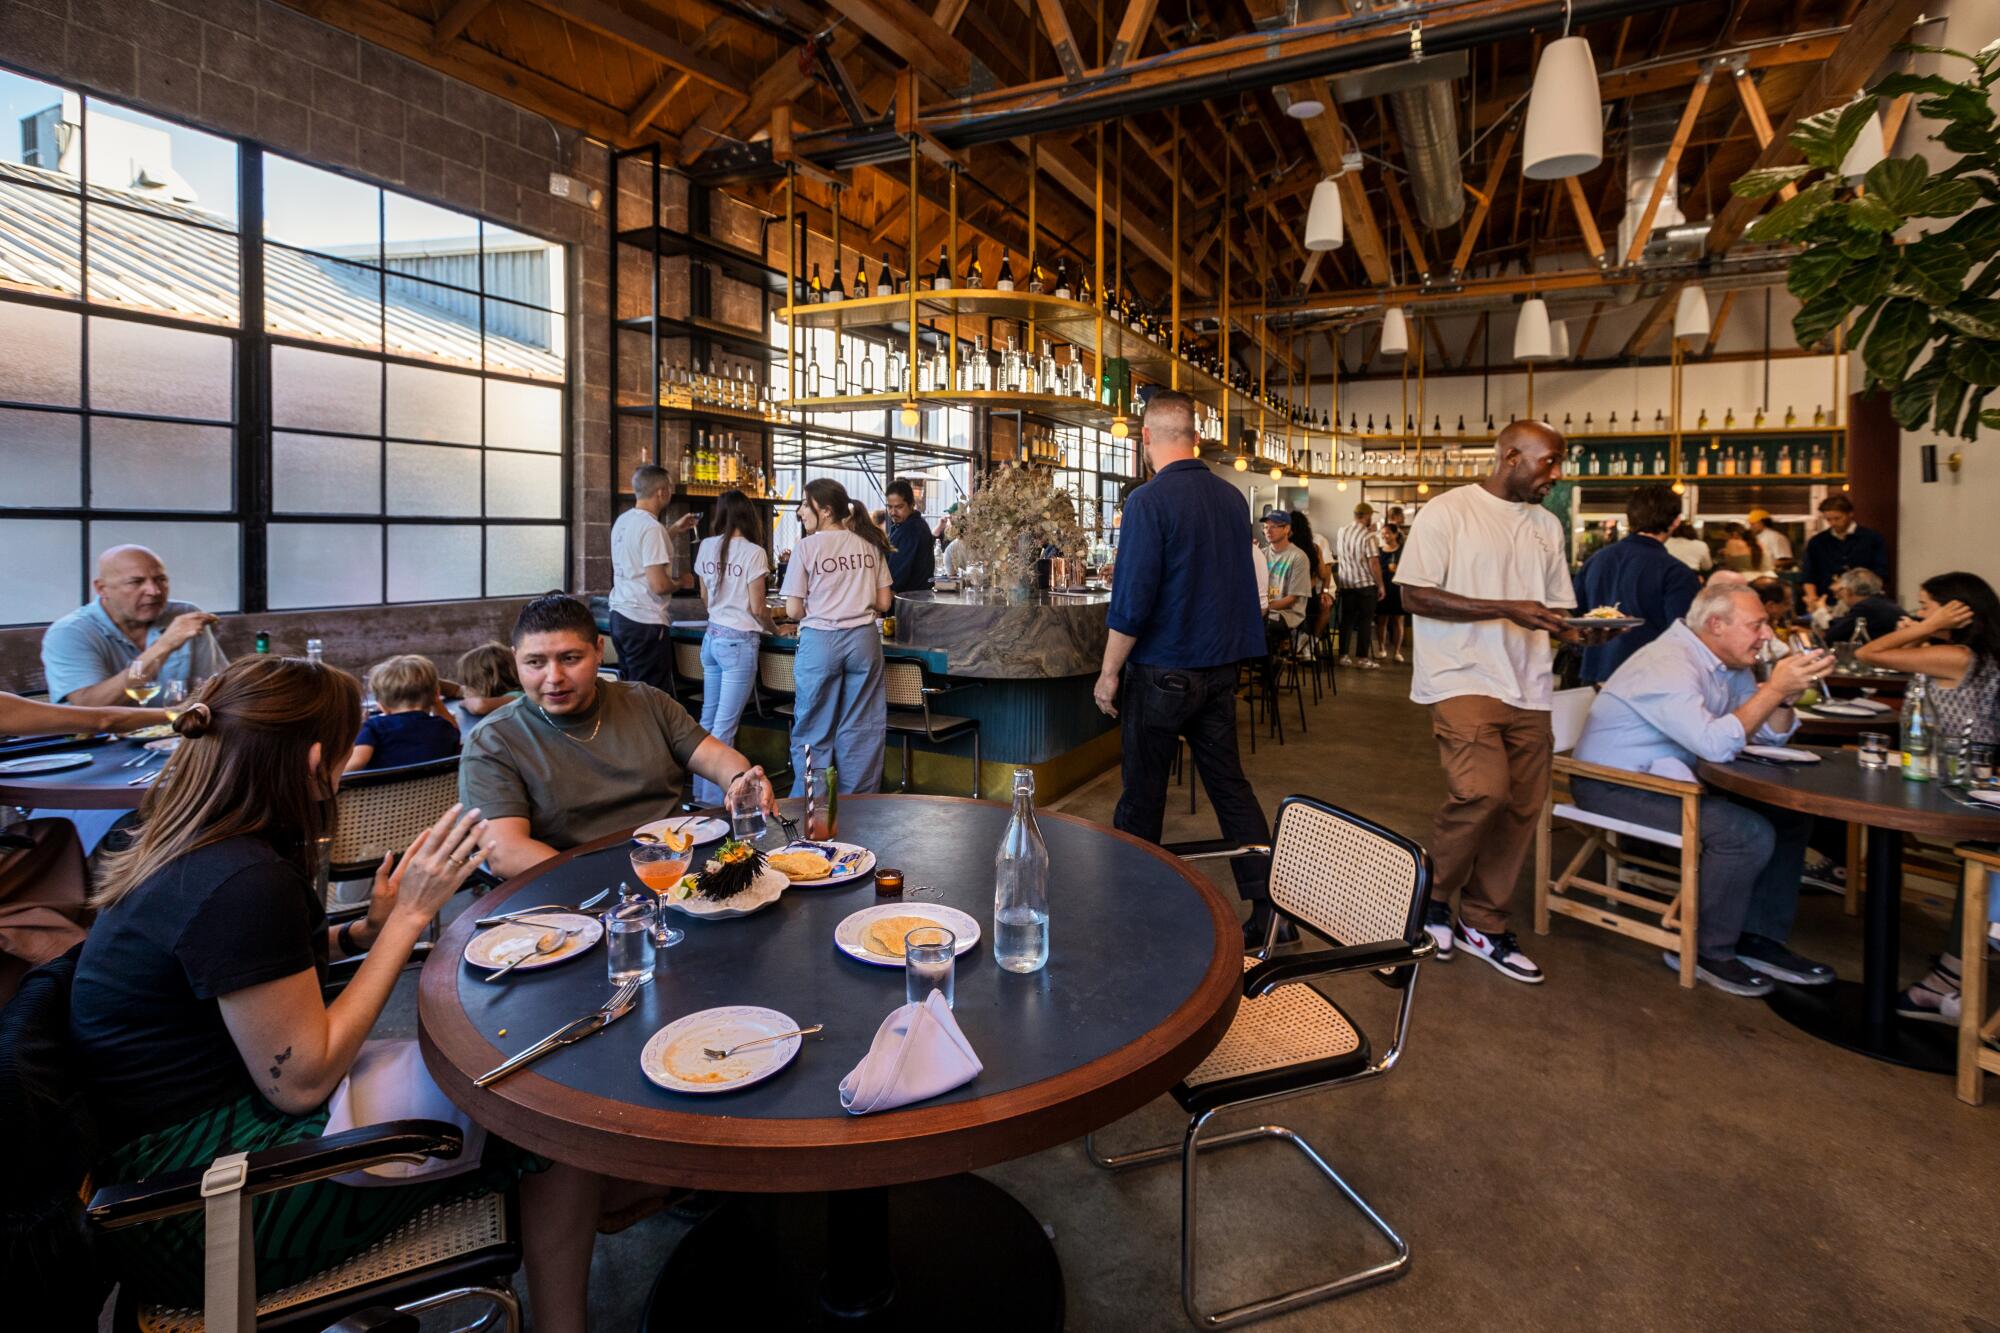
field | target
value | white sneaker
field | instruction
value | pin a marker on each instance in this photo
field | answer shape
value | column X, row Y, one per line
column 1345, row 660
column 1400, row 657
column 1437, row 923
column 1501, row 950
column 1370, row 664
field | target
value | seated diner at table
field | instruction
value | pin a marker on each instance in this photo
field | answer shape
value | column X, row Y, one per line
column 1955, row 641
column 1688, row 696
column 1859, row 608
column 131, row 627
column 32, row 717
column 197, row 1013
column 414, row 726
column 578, row 757
column 486, row 679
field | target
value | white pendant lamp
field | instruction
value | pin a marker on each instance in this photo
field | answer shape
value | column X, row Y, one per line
column 1324, row 229
column 1395, row 333
column 1564, row 135
column 1867, row 149
column 1559, row 339
column 1531, row 332
column 1691, row 313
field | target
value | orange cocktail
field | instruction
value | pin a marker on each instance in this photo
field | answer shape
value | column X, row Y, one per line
column 660, row 865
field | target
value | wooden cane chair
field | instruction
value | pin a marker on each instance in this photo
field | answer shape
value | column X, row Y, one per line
column 1636, row 881
column 1975, row 1028
column 911, row 717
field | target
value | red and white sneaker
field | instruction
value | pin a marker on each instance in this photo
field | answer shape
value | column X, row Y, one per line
column 1502, row 950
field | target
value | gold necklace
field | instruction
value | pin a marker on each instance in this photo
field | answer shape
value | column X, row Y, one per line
column 580, row 740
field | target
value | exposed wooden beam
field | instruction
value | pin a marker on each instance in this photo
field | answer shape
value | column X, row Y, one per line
column 1715, row 325
column 1411, row 236
column 1878, row 27
column 1591, row 240
column 1656, row 319
column 1892, row 123
column 916, row 38
column 655, row 102
column 1478, row 328
column 1759, row 118
column 1068, row 168
column 1589, row 331
column 1644, row 230
column 1131, row 31
column 1055, row 23
column 1311, row 269
column 606, row 20
column 1364, row 233
column 1497, row 172
column 454, row 21
column 1671, row 74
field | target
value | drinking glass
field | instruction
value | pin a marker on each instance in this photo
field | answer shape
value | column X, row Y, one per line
column 173, row 698
column 140, row 688
column 1954, row 763
column 659, row 866
column 628, row 954
column 929, row 953
column 746, row 811
column 822, row 815
column 1874, row 752
column 1980, row 762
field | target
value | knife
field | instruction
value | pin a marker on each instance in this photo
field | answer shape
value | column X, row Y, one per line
column 565, row 1035
column 502, row 919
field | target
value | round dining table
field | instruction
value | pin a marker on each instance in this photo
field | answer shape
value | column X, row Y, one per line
column 1862, row 1017
column 834, row 1219
column 106, row 783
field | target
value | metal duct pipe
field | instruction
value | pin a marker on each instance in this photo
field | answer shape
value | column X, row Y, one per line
column 1426, row 121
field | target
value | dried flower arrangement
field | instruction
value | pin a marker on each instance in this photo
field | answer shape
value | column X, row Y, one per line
column 1017, row 512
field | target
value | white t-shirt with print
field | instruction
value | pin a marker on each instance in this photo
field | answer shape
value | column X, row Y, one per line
column 838, row 574
column 1471, row 542
column 734, row 594
column 638, row 540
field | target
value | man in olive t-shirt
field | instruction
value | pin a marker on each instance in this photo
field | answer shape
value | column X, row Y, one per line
column 578, row 757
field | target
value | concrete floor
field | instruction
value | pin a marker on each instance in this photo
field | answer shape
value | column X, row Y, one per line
column 1605, row 1149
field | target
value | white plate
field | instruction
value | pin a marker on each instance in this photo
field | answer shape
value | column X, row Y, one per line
column 165, row 745
column 850, row 861
column 763, row 891
column 44, row 763
column 1783, row 754
column 850, row 937
column 1986, row 794
column 485, row 949
column 1868, row 705
column 705, row 828
column 673, row 1056
column 1841, row 710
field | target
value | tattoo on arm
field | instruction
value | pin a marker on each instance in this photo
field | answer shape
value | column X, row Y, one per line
column 277, row 1063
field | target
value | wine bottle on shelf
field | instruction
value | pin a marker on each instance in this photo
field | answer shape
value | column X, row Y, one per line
column 1353, row 425
column 1659, row 462
column 1034, row 279
column 1567, row 421
column 1489, row 423
column 841, row 383
column 1660, row 419
column 1785, row 461
column 1437, row 425
column 883, row 287
column 974, row 277
column 1005, row 282
column 1701, row 462
column 867, row 373
column 1756, row 460
column 1082, row 285
column 1046, row 373
column 1588, row 428
column 1062, row 277
column 860, row 276
column 836, row 291
column 1818, row 464
column 1461, row 423
column 812, row 376
column 1729, row 418
column 1371, row 423
column 1791, row 417
column 941, row 280
column 1819, row 415
column 815, row 290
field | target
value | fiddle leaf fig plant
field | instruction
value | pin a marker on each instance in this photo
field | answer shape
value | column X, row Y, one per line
column 1925, row 314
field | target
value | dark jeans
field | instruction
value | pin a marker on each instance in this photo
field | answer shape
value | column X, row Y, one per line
column 1752, row 856
column 1357, row 620
column 1156, row 707
column 644, row 652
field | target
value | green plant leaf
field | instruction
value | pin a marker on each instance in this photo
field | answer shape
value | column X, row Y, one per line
column 1944, row 198
column 1817, row 317
column 1977, row 319
column 1900, row 332
column 1910, row 401
column 1758, row 184
column 1867, row 214
column 1950, row 397
column 1824, row 139
column 1858, row 244
column 1990, row 418
column 1936, row 51
column 1976, row 362
column 1964, row 105
column 1936, row 268
column 1865, row 283
column 1898, row 182
column 1814, row 272
column 1937, row 85
column 1791, row 217
column 1857, row 330
column 1972, row 140
column 1973, row 406
column 1978, row 231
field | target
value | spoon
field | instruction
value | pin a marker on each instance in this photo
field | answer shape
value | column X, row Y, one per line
column 714, row 1054
column 550, row 941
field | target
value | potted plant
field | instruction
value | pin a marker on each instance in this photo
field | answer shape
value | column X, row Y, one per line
column 1928, row 326
column 1014, row 514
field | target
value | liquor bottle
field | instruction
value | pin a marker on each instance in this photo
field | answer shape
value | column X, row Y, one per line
column 1354, row 427
column 1586, row 423
column 812, row 376
column 815, row 291
column 1437, row 424
column 1111, row 297
column 1757, row 419
column 1568, row 423
column 1791, row 417
column 860, row 276
column 941, row 280
column 1918, row 744
column 1371, row 423
column 1729, row 418
column 867, row 373
column 1818, row 463
column 1489, row 423
column 1660, row 419
column 1785, row 460
column 1062, row 277
column 1659, row 462
column 840, row 380
column 1702, row 422
column 1756, row 460
column 836, row 291
column 974, row 277
column 1819, row 415
column 1035, row 279
column 1005, row 282
column 1461, row 423
column 1701, row 462
column 1729, row 463
column 883, row 287
column 1613, row 426
column 1597, row 465
column 1046, row 373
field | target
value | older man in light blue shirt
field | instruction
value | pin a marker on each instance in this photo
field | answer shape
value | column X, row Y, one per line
column 1691, row 695
column 87, row 655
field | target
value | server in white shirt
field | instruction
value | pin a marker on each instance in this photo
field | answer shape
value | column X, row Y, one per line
column 1486, row 579
column 1774, row 548
column 836, row 587
column 1687, row 696
column 732, row 572
column 643, row 579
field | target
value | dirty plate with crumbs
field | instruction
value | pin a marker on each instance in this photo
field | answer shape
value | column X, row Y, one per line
column 675, row 1057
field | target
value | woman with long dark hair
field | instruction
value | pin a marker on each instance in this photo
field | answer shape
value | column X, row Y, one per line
column 197, row 1015
column 1954, row 640
column 835, row 588
column 732, row 571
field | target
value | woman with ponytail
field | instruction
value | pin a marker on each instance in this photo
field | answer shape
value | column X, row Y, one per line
column 732, row 571
column 836, row 587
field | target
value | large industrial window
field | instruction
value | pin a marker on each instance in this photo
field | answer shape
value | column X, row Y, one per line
column 313, row 393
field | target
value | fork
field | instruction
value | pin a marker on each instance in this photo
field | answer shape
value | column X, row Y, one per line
column 714, row 1054
column 614, row 1008
column 584, row 906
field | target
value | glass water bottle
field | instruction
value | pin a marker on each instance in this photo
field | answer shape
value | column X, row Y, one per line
column 1021, row 886
column 1919, row 721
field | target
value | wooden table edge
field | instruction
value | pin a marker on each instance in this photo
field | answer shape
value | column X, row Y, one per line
column 1969, row 825
column 837, row 1151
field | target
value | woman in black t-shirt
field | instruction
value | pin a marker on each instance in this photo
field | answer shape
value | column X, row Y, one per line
column 197, row 1011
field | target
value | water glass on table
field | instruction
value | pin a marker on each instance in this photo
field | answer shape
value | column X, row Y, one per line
column 1874, row 750
column 173, row 698
column 628, row 924
column 929, row 958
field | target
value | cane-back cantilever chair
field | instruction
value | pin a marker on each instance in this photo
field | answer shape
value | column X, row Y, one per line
column 1364, row 888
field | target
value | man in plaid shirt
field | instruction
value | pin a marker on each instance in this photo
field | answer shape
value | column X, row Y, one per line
column 1359, row 575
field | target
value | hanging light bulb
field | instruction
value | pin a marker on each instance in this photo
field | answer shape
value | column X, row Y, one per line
column 1559, row 339
column 1324, row 229
column 1867, row 149
column 1340, row 486
column 910, row 415
column 1395, row 333
column 1691, row 312
column 1119, row 427
column 1531, row 332
column 1680, row 488
column 1242, row 463
column 1277, row 474
column 1564, row 134
column 1423, row 488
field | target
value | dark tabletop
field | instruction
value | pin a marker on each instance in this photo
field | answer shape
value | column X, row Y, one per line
column 105, row 785
column 1143, row 979
column 1839, row 788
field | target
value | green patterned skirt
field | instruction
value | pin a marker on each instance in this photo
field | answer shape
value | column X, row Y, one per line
column 299, row 1231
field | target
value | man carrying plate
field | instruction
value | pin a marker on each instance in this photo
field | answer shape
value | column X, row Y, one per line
column 1691, row 694
column 579, row 757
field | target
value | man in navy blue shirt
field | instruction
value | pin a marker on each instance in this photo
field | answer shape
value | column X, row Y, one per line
column 1640, row 577
column 912, row 550
column 1843, row 546
column 1183, row 614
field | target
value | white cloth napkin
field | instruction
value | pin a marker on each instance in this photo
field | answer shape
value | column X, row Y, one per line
column 918, row 1053
column 1666, row 766
column 388, row 1081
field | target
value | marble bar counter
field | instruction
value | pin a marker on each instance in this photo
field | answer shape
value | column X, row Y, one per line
column 990, row 636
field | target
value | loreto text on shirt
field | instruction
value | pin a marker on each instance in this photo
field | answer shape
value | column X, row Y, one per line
column 833, row 563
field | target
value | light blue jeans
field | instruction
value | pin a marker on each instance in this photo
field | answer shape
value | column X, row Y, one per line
column 842, row 706
column 728, row 669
